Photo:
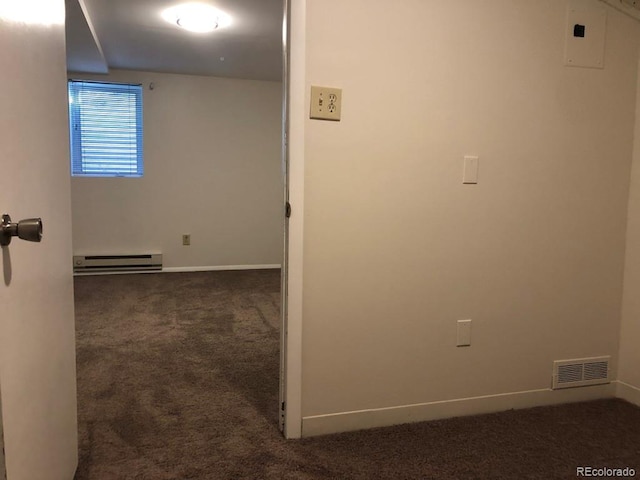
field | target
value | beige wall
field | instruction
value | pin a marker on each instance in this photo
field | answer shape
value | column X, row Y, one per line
column 397, row 248
column 630, row 331
column 212, row 169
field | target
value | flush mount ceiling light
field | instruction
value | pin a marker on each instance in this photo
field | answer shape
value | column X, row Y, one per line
column 197, row 17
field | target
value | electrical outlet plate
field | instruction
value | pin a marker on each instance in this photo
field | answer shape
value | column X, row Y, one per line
column 326, row 103
column 186, row 239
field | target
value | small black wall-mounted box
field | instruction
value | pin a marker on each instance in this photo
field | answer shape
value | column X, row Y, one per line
column 578, row 30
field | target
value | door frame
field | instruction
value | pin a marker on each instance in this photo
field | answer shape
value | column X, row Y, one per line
column 294, row 37
column 3, row 466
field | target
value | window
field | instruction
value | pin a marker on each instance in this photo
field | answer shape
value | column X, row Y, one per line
column 105, row 129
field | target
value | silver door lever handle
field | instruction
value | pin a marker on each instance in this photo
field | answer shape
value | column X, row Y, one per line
column 29, row 229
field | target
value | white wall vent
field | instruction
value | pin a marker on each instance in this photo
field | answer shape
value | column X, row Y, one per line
column 117, row 263
column 580, row 372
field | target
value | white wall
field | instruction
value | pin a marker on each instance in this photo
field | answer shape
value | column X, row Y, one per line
column 629, row 372
column 212, row 169
column 397, row 248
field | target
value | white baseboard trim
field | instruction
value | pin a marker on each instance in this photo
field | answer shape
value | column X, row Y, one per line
column 628, row 392
column 384, row 417
column 219, row 268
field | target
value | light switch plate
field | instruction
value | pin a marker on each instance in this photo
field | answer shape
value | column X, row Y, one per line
column 471, row 167
column 464, row 333
column 326, row 103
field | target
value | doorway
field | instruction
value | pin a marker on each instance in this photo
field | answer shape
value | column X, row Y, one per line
column 95, row 193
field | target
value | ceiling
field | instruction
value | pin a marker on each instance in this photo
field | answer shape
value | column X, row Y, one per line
column 629, row 7
column 131, row 35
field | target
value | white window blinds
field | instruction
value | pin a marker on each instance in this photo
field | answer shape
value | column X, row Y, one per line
column 105, row 125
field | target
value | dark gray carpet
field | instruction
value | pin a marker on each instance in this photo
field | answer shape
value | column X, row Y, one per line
column 178, row 379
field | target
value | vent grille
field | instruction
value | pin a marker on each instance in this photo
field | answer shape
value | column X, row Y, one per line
column 570, row 373
column 580, row 372
column 117, row 263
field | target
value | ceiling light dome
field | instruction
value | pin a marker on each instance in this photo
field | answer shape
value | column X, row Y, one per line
column 197, row 17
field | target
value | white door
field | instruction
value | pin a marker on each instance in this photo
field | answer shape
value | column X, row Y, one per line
column 37, row 339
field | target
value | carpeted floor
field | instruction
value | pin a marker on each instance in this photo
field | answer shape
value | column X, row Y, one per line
column 178, row 379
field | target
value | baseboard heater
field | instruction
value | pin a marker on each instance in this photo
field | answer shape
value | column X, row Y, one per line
column 117, row 263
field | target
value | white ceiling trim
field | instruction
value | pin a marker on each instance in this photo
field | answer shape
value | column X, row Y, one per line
column 624, row 7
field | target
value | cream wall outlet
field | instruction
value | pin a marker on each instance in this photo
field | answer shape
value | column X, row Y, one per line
column 326, row 103
column 186, row 239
